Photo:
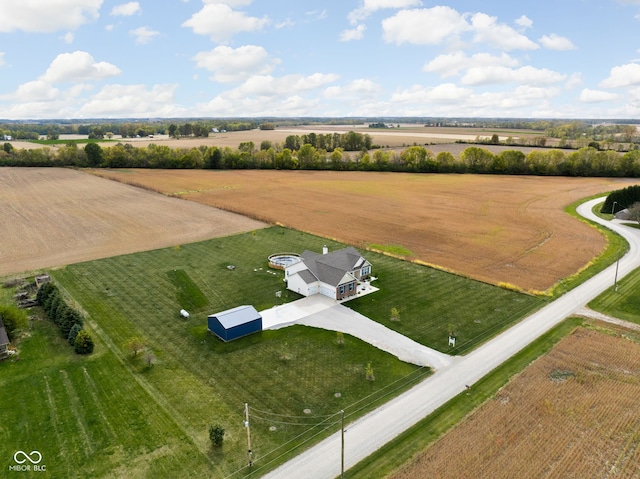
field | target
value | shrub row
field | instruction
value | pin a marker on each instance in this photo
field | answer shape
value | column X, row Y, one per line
column 68, row 319
column 621, row 199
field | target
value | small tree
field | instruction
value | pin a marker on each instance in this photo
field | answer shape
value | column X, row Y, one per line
column 368, row 371
column 216, row 435
column 149, row 358
column 73, row 333
column 13, row 319
column 340, row 338
column 135, row 344
column 395, row 314
column 83, row 343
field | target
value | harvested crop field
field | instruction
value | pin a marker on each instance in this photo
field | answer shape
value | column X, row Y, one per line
column 53, row 216
column 435, row 139
column 493, row 228
column 572, row 413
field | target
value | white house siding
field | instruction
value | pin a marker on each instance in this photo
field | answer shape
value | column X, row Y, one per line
column 328, row 290
column 295, row 283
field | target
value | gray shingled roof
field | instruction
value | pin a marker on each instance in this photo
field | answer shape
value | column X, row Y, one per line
column 330, row 268
column 307, row 276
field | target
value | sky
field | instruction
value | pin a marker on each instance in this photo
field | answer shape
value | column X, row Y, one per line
column 65, row 59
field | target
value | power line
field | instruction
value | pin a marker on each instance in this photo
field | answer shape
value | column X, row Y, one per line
column 289, row 415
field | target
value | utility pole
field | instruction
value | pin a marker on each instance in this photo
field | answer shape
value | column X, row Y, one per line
column 342, row 430
column 246, row 424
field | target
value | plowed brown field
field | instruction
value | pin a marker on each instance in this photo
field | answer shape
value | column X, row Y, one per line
column 53, row 216
column 493, row 228
column 572, row 414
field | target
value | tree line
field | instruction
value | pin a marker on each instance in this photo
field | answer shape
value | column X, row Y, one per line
column 621, row 199
column 67, row 318
column 585, row 162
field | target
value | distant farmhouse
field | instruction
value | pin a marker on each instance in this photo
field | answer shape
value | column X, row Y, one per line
column 334, row 274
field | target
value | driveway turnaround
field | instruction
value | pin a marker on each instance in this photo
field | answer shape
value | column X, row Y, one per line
column 322, row 312
column 366, row 435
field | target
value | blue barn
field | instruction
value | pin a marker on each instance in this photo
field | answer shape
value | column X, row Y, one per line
column 235, row 323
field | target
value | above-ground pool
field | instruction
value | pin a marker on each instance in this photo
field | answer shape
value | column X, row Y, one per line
column 282, row 260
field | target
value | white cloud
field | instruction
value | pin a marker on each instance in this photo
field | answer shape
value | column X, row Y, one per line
column 426, row 26
column 488, row 30
column 264, row 95
column 132, row 101
column 556, row 42
column 143, row 35
column 453, row 63
column 621, row 76
column 267, row 85
column 316, row 15
column 526, row 75
column 78, row 67
column 597, row 96
column 2, row 62
column 524, row 22
column 68, row 38
column 287, row 22
column 231, row 3
column 293, row 105
column 444, row 93
column 367, row 7
column 126, row 9
column 35, row 91
column 109, row 27
column 353, row 34
column 220, row 22
column 357, row 89
column 236, row 64
column 574, row 81
column 47, row 17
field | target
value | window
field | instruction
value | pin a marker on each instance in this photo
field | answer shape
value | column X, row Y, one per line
column 350, row 286
column 365, row 270
column 342, row 289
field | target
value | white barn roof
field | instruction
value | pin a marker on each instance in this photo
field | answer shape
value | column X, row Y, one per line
column 237, row 316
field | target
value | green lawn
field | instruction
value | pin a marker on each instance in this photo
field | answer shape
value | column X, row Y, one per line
column 433, row 303
column 624, row 303
column 110, row 414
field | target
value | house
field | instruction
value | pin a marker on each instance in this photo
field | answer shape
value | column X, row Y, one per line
column 235, row 323
column 4, row 340
column 623, row 214
column 334, row 274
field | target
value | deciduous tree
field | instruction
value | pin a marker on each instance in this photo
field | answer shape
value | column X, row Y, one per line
column 13, row 319
column 216, row 435
column 83, row 343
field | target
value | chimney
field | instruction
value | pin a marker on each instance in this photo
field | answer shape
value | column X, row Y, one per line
column 325, row 250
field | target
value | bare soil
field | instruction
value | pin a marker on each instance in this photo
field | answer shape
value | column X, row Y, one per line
column 572, row 414
column 52, row 217
column 492, row 228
